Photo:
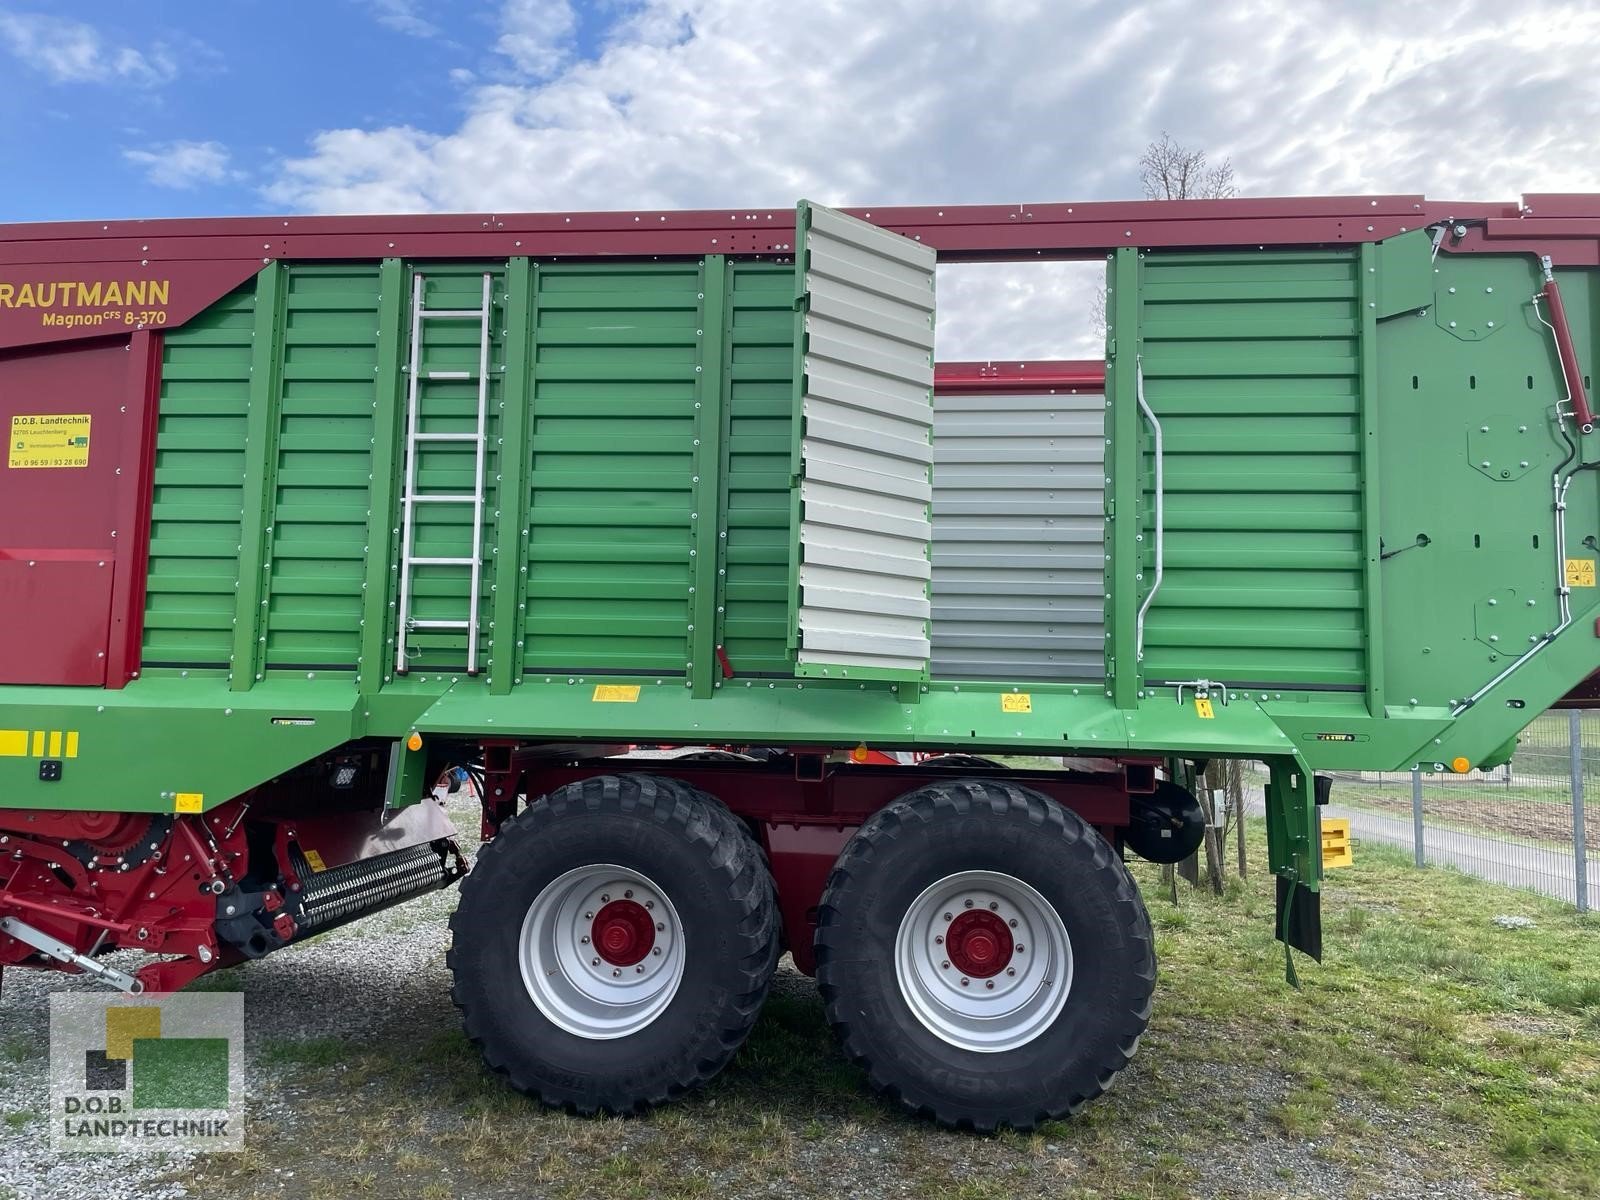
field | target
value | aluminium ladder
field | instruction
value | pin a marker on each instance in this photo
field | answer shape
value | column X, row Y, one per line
column 411, row 497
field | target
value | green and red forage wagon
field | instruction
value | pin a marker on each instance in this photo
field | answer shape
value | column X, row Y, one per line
column 299, row 516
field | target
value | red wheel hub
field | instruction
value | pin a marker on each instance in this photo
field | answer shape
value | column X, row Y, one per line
column 623, row 933
column 979, row 944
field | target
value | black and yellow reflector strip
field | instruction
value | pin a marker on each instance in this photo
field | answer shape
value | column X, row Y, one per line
column 38, row 743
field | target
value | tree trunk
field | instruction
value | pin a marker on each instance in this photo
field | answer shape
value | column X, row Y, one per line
column 1213, row 843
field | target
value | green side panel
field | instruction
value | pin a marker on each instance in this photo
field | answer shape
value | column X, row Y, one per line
column 440, row 592
column 323, row 478
column 1471, row 579
column 612, row 470
column 199, row 472
column 1251, row 363
column 760, row 366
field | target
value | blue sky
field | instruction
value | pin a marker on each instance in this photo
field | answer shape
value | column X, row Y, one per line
column 247, row 106
column 251, row 77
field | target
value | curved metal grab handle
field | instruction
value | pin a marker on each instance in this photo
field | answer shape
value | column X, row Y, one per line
column 1155, row 428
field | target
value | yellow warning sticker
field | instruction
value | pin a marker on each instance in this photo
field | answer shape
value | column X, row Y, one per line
column 53, row 440
column 1580, row 572
column 616, row 693
column 315, row 860
column 189, row 802
column 1202, row 707
column 1016, row 702
column 38, row 743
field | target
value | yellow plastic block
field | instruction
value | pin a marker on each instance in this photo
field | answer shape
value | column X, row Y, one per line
column 1336, row 848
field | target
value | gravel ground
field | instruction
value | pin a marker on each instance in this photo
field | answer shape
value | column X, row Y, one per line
column 348, row 1028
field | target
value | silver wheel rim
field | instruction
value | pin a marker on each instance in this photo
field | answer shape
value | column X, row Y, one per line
column 985, row 1013
column 574, row 983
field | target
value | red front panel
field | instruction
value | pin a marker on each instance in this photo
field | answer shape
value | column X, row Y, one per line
column 71, row 444
column 55, row 613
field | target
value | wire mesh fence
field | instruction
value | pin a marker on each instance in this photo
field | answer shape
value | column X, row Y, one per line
column 1533, row 823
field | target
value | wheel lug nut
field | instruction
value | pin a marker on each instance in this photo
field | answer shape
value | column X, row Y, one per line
column 993, row 905
column 584, row 939
column 605, row 899
column 1013, row 922
column 628, row 895
column 939, row 941
column 656, row 951
column 638, row 970
column 1021, row 949
column 614, row 974
column 649, row 903
column 594, row 962
column 990, row 985
column 968, row 904
column 588, row 916
column 964, row 982
column 1011, row 970
column 660, row 925
column 947, row 916
column 945, row 966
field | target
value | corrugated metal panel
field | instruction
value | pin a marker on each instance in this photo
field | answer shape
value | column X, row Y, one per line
column 866, row 453
column 199, row 473
column 612, row 433
column 319, row 522
column 760, row 401
column 1251, row 362
column 1019, row 537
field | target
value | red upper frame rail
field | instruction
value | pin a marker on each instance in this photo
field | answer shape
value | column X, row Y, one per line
column 1017, row 376
column 83, row 279
column 959, row 232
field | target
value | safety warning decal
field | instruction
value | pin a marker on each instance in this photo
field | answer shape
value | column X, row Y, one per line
column 1016, row 702
column 53, row 440
column 1580, row 572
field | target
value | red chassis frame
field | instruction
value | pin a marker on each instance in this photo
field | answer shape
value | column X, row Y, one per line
column 806, row 805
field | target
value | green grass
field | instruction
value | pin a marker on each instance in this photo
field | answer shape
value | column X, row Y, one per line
column 309, row 1052
column 1431, row 1047
column 21, row 1118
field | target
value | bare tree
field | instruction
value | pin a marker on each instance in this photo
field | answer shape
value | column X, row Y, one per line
column 1171, row 171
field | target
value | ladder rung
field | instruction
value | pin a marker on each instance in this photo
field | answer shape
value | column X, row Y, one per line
column 441, row 562
column 441, row 499
column 448, row 437
column 458, row 313
column 439, row 624
column 442, row 376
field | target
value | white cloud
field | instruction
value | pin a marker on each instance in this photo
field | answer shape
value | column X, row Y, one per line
column 695, row 103
column 403, row 16
column 536, row 34
column 183, row 164
column 69, row 51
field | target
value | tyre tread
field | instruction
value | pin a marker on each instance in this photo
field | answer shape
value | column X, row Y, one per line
column 944, row 800
column 730, row 850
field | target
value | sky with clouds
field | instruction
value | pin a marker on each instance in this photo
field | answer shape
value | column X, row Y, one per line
column 174, row 109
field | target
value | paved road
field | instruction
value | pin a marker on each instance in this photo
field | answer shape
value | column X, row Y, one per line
column 1547, row 871
column 1491, row 858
